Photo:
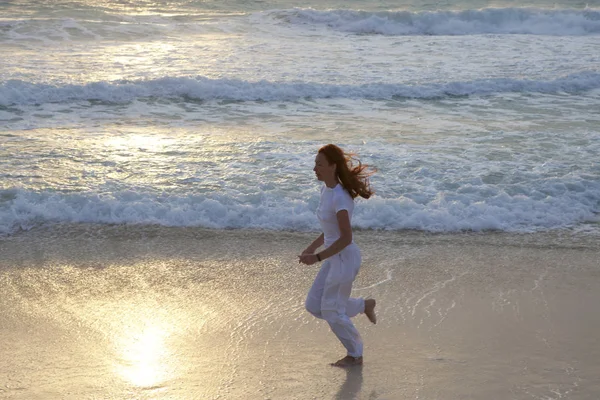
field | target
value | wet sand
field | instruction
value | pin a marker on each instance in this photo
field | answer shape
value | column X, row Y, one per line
column 114, row 312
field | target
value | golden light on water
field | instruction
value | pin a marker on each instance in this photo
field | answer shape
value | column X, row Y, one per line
column 136, row 142
column 144, row 355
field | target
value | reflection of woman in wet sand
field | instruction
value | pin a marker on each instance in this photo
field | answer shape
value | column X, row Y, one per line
column 329, row 297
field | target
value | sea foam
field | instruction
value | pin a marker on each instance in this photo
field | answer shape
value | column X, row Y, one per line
column 472, row 208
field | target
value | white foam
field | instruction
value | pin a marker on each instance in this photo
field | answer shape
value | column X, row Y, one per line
column 557, row 204
column 18, row 92
column 532, row 21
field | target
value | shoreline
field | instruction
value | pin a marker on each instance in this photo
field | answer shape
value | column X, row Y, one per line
column 585, row 238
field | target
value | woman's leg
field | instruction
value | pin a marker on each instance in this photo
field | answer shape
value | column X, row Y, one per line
column 335, row 301
column 338, row 320
column 315, row 294
column 355, row 306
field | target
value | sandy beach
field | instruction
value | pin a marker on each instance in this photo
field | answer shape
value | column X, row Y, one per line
column 119, row 312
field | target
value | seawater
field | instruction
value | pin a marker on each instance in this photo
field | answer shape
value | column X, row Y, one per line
column 478, row 115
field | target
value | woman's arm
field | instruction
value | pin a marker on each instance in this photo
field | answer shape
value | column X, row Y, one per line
column 345, row 236
column 337, row 246
column 318, row 242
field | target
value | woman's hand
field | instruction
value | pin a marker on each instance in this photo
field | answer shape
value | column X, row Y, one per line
column 307, row 258
column 308, row 250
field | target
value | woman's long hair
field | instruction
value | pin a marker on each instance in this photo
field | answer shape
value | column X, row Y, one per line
column 353, row 174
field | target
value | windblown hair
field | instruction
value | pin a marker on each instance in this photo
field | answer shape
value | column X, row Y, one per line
column 353, row 175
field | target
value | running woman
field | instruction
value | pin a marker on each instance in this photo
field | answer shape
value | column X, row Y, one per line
column 329, row 297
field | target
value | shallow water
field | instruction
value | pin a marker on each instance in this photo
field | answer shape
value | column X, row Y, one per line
column 175, row 313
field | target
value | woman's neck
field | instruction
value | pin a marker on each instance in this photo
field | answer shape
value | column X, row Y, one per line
column 331, row 183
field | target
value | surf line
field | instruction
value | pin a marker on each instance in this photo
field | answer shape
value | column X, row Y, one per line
column 389, row 278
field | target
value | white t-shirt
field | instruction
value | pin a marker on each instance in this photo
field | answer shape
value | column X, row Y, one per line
column 332, row 201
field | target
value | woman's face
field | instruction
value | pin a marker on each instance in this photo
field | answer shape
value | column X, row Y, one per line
column 323, row 169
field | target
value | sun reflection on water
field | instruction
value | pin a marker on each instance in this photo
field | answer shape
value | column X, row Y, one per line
column 144, row 354
column 138, row 142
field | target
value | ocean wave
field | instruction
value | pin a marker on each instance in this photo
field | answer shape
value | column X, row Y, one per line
column 101, row 26
column 18, row 92
column 472, row 208
column 528, row 21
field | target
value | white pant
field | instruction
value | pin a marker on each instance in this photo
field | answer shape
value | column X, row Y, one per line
column 329, row 297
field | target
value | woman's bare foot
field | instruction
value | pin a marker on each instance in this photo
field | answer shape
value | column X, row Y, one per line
column 370, row 310
column 348, row 361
